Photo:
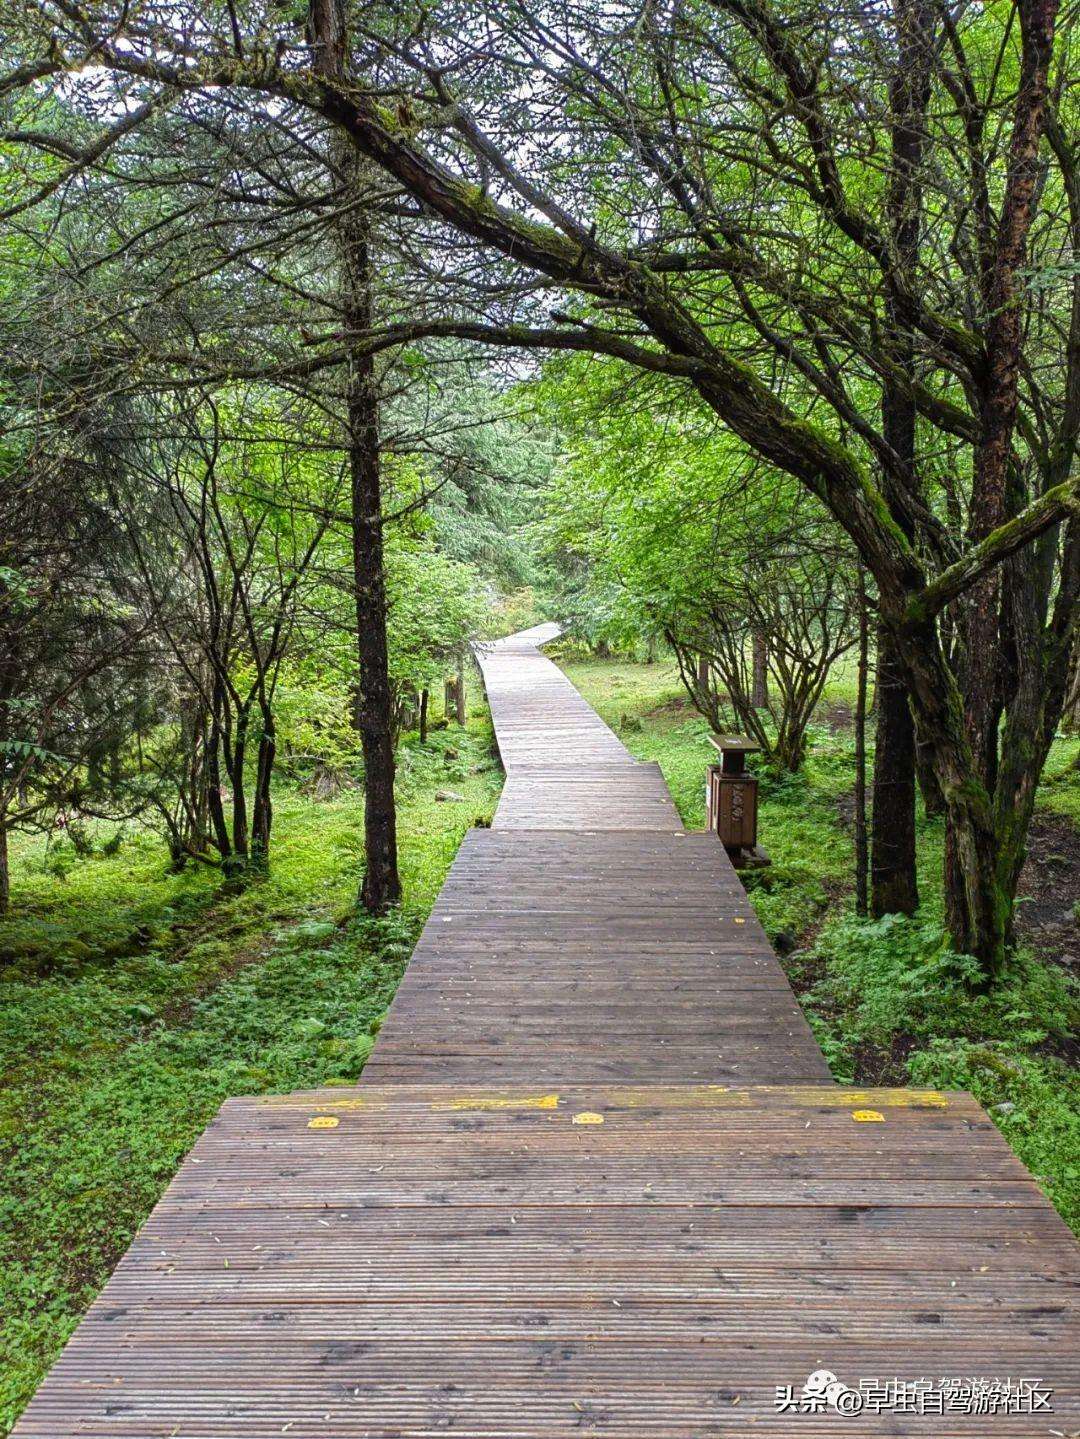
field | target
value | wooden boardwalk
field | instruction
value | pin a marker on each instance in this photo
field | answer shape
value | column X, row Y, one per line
column 565, row 770
column 596, row 1179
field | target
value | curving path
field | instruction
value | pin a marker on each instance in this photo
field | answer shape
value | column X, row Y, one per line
column 596, row 1180
column 565, row 770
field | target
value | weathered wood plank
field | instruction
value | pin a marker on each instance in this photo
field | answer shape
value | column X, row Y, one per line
column 364, row 1287
column 520, row 917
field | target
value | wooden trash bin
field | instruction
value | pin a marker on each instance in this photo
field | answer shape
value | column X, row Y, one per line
column 731, row 800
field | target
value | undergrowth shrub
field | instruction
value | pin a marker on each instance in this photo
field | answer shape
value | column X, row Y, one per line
column 894, row 984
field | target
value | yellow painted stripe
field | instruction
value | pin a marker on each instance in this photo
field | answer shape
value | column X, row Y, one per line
column 497, row 1101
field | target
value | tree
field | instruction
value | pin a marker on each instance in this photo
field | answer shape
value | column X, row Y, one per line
column 689, row 128
column 381, row 888
column 248, row 282
column 246, row 512
column 737, row 569
column 71, row 645
column 805, row 607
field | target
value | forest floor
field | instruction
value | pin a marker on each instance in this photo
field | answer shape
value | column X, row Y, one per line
column 132, row 1002
column 888, row 1002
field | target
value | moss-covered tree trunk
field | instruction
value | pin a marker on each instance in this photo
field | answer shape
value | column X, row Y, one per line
column 893, row 882
column 1004, row 611
column 894, row 887
column 862, row 866
column 978, row 906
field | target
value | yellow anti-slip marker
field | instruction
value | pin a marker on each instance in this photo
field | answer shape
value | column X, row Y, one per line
column 813, row 1095
column 465, row 1101
column 498, row 1101
column 323, row 1121
column 867, row 1116
column 703, row 1096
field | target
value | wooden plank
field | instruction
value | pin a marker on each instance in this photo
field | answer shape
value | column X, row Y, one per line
column 377, row 1277
column 565, row 768
column 519, row 919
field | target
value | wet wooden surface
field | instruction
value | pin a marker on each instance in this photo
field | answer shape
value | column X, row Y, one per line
column 606, row 1259
column 596, row 1179
column 588, row 956
column 578, row 950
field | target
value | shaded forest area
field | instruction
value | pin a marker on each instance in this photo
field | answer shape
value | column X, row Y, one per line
column 741, row 337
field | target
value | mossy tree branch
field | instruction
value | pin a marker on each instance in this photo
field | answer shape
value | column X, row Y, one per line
column 1049, row 509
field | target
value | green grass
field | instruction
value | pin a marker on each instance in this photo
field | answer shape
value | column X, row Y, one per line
column 1060, row 790
column 888, row 1001
column 133, row 1002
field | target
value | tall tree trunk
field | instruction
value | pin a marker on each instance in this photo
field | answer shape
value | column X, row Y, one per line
column 993, row 646
column 423, row 715
column 215, row 805
column 381, row 886
column 1038, row 691
column 861, row 856
column 895, row 887
column 978, row 923
column 933, row 799
column 236, row 764
column 1000, row 389
column 459, row 692
column 262, row 813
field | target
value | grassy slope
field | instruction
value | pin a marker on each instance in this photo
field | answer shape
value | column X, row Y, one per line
column 132, row 1003
column 887, row 1001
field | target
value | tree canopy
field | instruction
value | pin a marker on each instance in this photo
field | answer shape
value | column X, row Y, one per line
column 837, row 243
